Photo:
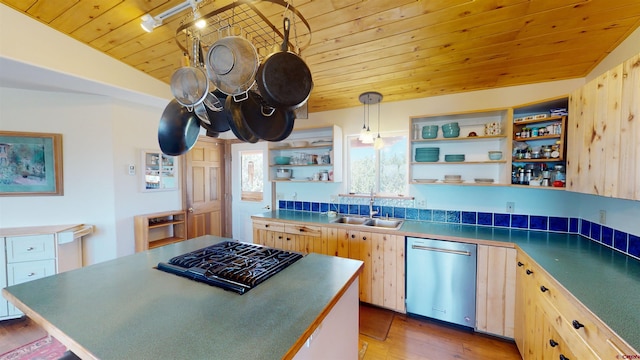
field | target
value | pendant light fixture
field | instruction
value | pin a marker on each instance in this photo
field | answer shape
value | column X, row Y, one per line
column 368, row 98
column 378, row 143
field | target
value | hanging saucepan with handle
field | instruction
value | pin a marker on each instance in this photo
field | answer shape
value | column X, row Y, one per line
column 231, row 63
column 265, row 122
column 283, row 78
column 178, row 129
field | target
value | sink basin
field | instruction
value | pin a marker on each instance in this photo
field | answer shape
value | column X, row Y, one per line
column 382, row 223
column 353, row 220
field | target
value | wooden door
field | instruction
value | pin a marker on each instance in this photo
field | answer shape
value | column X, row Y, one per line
column 204, row 188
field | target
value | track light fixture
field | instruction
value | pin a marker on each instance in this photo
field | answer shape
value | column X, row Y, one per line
column 151, row 22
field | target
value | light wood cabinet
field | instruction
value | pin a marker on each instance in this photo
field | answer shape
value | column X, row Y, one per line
column 159, row 229
column 547, row 314
column 495, row 290
column 382, row 281
column 604, row 157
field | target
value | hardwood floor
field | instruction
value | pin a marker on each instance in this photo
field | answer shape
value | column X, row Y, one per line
column 408, row 339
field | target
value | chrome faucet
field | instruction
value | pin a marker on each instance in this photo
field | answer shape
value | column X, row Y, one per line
column 371, row 211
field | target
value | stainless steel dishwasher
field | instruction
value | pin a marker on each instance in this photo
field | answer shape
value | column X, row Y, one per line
column 441, row 280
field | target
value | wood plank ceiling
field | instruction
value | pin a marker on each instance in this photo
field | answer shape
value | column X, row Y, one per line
column 404, row 49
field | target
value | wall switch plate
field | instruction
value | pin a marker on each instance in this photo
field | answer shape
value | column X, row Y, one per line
column 603, row 217
column 132, row 169
column 280, row 196
column 511, row 206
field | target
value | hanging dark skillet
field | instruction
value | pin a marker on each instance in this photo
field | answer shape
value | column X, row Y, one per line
column 219, row 119
column 237, row 121
column 283, row 78
column 271, row 124
column 178, row 129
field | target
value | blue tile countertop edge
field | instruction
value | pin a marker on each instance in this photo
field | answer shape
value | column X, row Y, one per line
column 605, row 280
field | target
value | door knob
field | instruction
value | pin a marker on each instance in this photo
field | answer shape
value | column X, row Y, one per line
column 190, row 210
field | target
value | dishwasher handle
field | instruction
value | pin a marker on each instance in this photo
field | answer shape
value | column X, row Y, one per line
column 429, row 248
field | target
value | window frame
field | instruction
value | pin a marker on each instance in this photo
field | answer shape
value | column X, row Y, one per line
column 376, row 190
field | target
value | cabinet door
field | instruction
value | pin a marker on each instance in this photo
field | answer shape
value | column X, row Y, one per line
column 18, row 273
column 495, row 296
column 360, row 249
column 387, row 271
column 603, row 157
column 330, row 237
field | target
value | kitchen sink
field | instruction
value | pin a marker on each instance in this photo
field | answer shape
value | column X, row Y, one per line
column 353, row 220
column 383, row 223
column 379, row 223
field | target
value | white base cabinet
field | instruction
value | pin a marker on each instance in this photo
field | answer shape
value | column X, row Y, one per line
column 32, row 253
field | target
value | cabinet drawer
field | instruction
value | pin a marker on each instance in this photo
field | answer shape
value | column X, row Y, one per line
column 268, row 225
column 29, row 248
column 307, row 230
column 26, row 271
column 591, row 330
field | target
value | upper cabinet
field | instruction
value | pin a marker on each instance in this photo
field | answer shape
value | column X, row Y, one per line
column 604, row 134
column 539, row 143
column 308, row 155
column 461, row 148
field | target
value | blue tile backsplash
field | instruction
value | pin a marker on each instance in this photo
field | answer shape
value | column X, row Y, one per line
column 619, row 240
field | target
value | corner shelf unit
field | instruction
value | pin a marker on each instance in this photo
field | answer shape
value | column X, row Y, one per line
column 477, row 164
column 320, row 142
column 159, row 229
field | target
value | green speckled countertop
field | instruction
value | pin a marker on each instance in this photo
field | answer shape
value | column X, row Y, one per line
column 126, row 309
column 605, row 281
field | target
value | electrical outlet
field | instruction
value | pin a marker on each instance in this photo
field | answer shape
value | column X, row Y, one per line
column 422, row 204
column 603, row 217
column 334, row 198
column 280, row 196
column 295, row 196
column 511, row 206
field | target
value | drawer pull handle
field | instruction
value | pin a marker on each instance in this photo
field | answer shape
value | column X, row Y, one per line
column 562, row 357
column 30, row 248
column 520, row 264
column 576, row 324
column 529, row 272
column 267, row 225
column 364, row 238
column 543, row 288
column 553, row 343
column 31, row 274
column 353, row 236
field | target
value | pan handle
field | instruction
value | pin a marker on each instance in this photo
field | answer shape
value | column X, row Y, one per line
column 241, row 97
column 285, row 43
column 270, row 111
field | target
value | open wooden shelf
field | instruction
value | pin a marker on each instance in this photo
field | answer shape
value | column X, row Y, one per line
column 159, row 229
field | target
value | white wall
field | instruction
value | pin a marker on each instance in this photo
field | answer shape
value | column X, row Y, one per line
column 100, row 136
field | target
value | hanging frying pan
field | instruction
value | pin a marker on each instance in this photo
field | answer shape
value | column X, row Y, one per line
column 237, row 121
column 178, row 129
column 271, row 124
column 219, row 120
column 283, row 78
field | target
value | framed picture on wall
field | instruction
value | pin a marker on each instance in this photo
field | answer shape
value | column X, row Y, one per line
column 30, row 164
column 160, row 171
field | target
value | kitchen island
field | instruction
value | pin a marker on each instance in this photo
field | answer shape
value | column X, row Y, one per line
column 127, row 309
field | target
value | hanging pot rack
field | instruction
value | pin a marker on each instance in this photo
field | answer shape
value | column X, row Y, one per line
column 254, row 25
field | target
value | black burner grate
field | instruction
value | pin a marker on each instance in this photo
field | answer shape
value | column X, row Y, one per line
column 232, row 265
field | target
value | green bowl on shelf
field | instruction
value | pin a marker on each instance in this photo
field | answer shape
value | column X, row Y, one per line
column 282, row 160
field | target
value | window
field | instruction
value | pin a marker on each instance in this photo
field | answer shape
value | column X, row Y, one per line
column 251, row 175
column 384, row 171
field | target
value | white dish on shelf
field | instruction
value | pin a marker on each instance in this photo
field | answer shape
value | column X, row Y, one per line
column 300, row 179
column 425, row 181
column 300, row 143
column 448, row 181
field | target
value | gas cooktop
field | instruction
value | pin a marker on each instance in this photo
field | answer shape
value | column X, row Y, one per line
column 231, row 265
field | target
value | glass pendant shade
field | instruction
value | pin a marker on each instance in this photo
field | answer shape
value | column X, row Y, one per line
column 378, row 143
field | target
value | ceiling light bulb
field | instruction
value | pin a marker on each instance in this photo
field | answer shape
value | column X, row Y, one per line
column 378, row 143
column 368, row 137
column 201, row 24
